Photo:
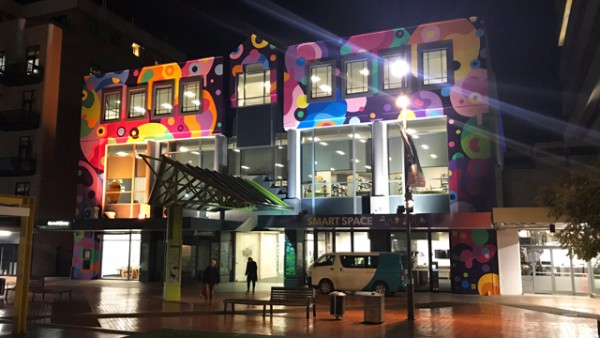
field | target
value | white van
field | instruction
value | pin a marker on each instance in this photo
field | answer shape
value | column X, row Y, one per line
column 382, row 272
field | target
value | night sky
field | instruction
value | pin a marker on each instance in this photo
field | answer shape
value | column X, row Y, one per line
column 522, row 37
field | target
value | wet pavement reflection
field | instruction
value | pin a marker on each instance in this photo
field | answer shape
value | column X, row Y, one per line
column 121, row 308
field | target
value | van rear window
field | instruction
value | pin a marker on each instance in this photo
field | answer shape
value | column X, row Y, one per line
column 359, row 261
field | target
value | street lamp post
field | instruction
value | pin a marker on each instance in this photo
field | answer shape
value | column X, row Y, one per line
column 403, row 102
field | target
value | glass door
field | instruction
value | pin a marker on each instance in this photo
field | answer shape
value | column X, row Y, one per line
column 121, row 256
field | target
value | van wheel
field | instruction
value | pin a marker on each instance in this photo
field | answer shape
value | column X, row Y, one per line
column 381, row 288
column 325, row 286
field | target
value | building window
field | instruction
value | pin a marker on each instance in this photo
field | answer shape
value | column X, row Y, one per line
column 357, row 77
column 336, row 162
column 198, row 152
column 136, row 49
column 137, row 103
column 396, row 70
column 2, row 61
column 191, row 97
column 28, row 101
column 321, row 84
column 33, row 60
column 26, row 147
column 431, row 143
column 126, row 178
column 22, row 188
column 163, row 99
column 435, row 63
column 112, row 105
column 254, row 86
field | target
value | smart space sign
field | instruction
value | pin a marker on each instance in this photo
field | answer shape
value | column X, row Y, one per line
column 472, row 220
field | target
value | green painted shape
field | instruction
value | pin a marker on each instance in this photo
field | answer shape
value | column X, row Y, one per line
column 269, row 195
column 400, row 41
column 375, row 77
column 480, row 237
column 345, row 49
column 147, row 76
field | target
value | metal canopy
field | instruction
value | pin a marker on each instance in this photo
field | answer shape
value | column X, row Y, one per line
column 202, row 189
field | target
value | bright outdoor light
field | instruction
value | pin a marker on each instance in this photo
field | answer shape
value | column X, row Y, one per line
column 399, row 68
column 402, row 101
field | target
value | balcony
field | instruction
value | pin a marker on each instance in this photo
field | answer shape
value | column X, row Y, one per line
column 20, row 73
column 18, row 119
column 14, row 166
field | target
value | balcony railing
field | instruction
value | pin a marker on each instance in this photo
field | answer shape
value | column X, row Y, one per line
column 19, row 119
column 15, row 166
column 21, row 73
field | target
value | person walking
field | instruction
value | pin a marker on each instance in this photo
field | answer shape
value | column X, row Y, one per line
column 210, row 279
column 252, row 274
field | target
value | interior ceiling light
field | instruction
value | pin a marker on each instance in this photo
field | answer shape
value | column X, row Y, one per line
column 189, row 94
column 340, row 152
column 364, row 72
column 167, row 106
column 325, row 88
column 4, row 233
column 245, row 167
column 433, row 156
column 184, row 149
column 315, row 78
column 279, row 165
column 325, row 144
column 122, row 153
column 424, row 146
column 399, row 68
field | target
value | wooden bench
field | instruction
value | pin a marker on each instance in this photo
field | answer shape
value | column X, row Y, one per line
column 37, row 285
column 279, row 296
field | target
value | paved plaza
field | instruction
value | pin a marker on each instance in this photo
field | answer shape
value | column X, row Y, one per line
column 106, row 308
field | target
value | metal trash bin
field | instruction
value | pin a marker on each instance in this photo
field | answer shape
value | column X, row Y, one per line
column 337, row 302
column 374, row 308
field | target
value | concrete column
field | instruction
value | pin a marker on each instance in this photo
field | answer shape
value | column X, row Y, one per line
column 172, row 286
column 509, row 262
column 220, row 154
column 294, row 164
column 380, row 159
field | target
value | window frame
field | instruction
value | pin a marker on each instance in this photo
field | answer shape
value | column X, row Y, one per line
column 266, row 93
column 356, row 58
column 32, row 56
column 400, row 51
column 135, row 90
column 3, row 63
column 110, row 91
column 309, row 85
column 183, row 82
column 437, row 45
column 155, row 88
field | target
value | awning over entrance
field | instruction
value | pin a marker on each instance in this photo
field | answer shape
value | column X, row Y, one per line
column 466, row 220
column 202, row 189
column 524, row 218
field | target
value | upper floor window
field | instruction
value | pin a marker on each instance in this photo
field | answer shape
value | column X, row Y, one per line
column 321, row 84
column 435, row 65
column 396, row 70
column 163, row 99
column 254, row 86
column 2, row 61
column 137, row 103
column 112, row 105
column 27, row 101
column 136, row 49
column 190, row 96
column 357, row 77
column 33, row 60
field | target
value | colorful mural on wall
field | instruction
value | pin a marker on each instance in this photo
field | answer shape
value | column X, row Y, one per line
column 86, row 247
column 253, row 51
column 474, row 262
column 464, row 102
column 95, row 134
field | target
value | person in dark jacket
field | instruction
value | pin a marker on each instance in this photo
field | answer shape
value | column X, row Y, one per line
column 251, row 273
column 211, row 278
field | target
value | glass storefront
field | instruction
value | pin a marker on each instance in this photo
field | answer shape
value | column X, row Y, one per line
column 266, row 249
column 336, row 162
column 121, row 256
column 430, row 258
column 198, row 152
column 547, row 268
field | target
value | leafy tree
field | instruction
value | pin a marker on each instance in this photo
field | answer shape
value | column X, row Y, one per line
column 576, row 200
